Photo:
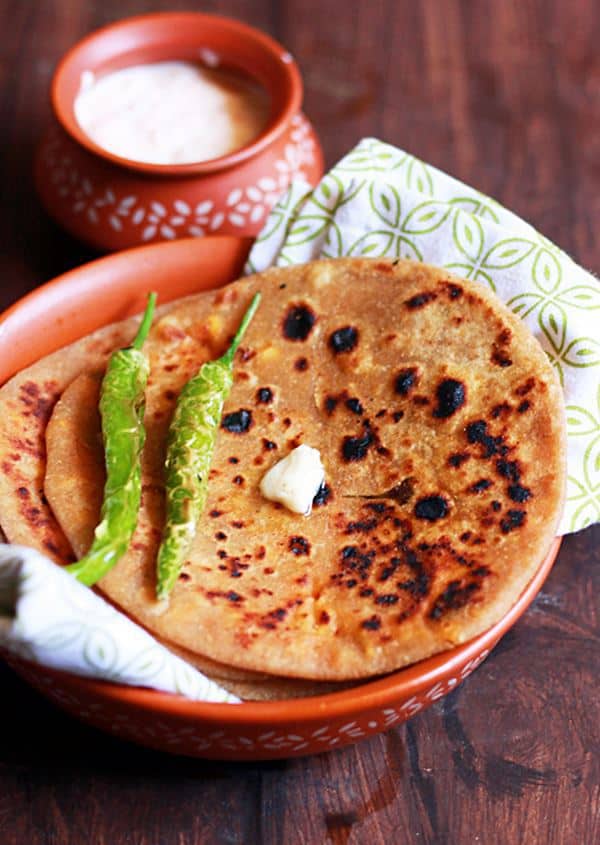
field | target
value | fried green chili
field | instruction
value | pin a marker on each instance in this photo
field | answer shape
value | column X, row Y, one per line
column 122, row 402
column 190, row 446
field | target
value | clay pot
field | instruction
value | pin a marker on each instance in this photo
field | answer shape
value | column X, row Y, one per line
column 112, row 202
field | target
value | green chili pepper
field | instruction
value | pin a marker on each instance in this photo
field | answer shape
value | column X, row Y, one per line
column 122, row 404
column 190, row 446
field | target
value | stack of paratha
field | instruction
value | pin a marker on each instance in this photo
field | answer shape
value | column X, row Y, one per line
column 440, row 424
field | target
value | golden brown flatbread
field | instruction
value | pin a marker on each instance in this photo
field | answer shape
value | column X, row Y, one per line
column 26, row 404
column 74, row 482
column 440, row 424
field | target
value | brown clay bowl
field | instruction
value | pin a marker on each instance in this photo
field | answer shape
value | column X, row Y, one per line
column 110, row 289
column 112, row 202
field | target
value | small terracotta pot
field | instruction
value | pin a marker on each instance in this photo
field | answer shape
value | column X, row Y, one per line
column 112, row 202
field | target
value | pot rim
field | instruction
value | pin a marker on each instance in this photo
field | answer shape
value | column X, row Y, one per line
column 284, row 74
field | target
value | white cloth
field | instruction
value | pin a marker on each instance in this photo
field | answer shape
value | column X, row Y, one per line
column 48, row 617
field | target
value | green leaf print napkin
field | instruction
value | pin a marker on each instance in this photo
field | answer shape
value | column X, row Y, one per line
column 381, row 201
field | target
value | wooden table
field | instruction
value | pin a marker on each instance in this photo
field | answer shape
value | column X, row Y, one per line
column 506, row 96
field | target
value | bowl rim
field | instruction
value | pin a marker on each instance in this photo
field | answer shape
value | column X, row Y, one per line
column 368, row 694
column 62, row 104
column 403, row 684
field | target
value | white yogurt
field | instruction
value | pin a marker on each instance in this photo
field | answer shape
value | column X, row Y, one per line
column 171, row 112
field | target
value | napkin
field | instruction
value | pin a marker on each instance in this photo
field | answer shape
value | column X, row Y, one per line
column 48, row 617
column 381, row 201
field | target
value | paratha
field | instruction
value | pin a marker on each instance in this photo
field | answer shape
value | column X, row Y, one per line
column 440, row 424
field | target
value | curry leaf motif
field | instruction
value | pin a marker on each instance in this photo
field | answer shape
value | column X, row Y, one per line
column 100, row 651
column 553, row 322
column 557, row 363
column 506, row 253
column 591, row 465
column 580, row 421
column 385, row 202
column 331, row 193
column 146, row 664
column 524, row 303
column 584, row 506
column 407, row 249
column 333, row 246
column 373, row 156
column 468, row 235
column 276, row 220
column 418, row 177
column 582, row 352
column 585, row 491
column 464, row 270
column 306, row 228
column 546, row 271
column 372, row 245
column 326, row 194
column 183, row 679
column 586, row 514
column 425, row 218
column 575, row 490
column 285, row 210
column 61, row 635
column 581, row 296
column 479, row 206
column 471, row 271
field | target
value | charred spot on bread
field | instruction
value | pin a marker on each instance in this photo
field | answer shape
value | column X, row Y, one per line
column 431, row 508
column 405, row 381
column 264, row 395
column 353, row 404
column 525, row 388
column 356, row 448
column 298, row 322
column 457, row 459
column 343, row 339
column 373, row 623
column 420, row 299
column 518, row 493
column 500, row 348
column 509, row 469
column 514, row 519
column 477, row 432
column 451, row 395
column 322, row 496
column 455, row 595
column 480, row 486
column 299, row 545
column 237, row 422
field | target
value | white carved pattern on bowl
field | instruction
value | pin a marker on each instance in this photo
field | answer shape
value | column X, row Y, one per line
column 182, row 738
column 244, row 205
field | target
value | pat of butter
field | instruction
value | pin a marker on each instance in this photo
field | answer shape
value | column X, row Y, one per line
column 295, row 480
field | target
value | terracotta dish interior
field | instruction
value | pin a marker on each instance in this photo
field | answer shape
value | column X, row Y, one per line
column 186, row 36
column 115, row 287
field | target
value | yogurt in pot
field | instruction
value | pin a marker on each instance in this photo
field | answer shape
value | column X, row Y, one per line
column 173, row 112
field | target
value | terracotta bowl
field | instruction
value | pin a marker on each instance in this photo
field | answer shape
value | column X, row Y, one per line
column 111, row 289
column 112, row 202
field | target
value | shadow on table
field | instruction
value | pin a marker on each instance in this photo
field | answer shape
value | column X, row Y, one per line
column 35, row 734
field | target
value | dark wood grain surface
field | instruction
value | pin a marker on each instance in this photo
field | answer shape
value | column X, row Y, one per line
column 506, row 96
